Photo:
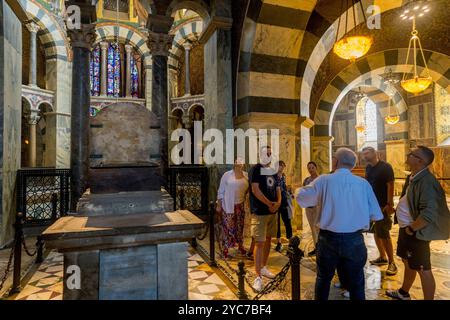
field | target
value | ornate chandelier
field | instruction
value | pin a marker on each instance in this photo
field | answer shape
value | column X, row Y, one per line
column 417, row 83
column 351, row 47
column 393, row 115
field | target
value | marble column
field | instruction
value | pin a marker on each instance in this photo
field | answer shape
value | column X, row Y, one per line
column 321, row 152
column 81, row 41
column 302, row 148
column 33, row 28
column 32, row 122
column 187, row 62
column 218, row 87
column 159, row 43
column 10, row 116
column 128, row 50
column 396, row 151
column 104, row 68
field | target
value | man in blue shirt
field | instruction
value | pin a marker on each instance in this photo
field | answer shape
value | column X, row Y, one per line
column 347, row 205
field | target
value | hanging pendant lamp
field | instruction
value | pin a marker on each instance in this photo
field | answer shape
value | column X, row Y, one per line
column 417, row 83
column 351, row 47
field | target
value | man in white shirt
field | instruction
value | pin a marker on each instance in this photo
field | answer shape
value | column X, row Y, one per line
column 346, row 204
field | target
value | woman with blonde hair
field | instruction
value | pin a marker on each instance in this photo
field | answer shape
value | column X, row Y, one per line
column 230, row 205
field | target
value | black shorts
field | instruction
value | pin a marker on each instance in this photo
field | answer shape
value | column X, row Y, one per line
column 416, row 251
column 381, row 228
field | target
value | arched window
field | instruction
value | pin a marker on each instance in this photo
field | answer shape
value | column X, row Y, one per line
column 116, row 73
column 366, row 124
column 134, row 78
column 95, row 72
column 113, row 87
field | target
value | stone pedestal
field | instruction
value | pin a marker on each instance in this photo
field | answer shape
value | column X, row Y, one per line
column 125, row 246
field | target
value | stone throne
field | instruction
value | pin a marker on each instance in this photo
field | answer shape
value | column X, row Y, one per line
column 125, row 238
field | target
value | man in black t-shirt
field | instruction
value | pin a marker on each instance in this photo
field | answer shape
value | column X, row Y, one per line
column 381, row 177
column 265, row 199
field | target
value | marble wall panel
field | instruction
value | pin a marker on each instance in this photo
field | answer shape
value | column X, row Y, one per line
column 442, row 114
column 10, row 115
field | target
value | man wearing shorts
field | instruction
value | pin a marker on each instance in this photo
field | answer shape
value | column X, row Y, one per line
column 265, row 199
column 423, row 216
column 380, row 175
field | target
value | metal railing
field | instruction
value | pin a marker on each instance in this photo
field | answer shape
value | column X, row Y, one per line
column 42, row 197
column 42, row 194
column 188, row 186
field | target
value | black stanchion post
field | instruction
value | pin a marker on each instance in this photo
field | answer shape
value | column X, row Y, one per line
column 54, row 201
column 182, row 199
column 40, row 249
column 242, row 294
column 17, row 253
column 212, row 248
column 295, row 256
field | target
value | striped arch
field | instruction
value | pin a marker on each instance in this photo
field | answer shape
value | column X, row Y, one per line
column 189, row 31
column 52, row 34
column 107, row 31
column 367, row 71
column 269, row 68
column 323, row 45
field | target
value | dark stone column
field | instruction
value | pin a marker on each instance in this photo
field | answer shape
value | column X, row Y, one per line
column 159, row 43
column 81, row 41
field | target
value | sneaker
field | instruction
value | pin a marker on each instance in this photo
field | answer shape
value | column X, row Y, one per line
column 249, row 255
column 392, row 269
column 258, row 284
column 379, row 261
column 397, row 295
column 266, row 273
column 312, row 253
column 278, row 247
column 346, row 294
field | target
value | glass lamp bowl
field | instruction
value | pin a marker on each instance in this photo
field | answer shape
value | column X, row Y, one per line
column 360, row 128
column 392, row 119
column 352, row 48
column 416, row 84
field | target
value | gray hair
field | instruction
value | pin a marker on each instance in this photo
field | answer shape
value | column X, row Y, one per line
column 346, row 158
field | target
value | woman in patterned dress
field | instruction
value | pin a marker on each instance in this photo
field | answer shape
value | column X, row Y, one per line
column 230, row 205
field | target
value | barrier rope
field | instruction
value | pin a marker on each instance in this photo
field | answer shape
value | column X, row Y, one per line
column 8, row 266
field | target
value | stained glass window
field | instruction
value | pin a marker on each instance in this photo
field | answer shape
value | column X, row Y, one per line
column 134, row 78
column 95, row 71
column 113, row 86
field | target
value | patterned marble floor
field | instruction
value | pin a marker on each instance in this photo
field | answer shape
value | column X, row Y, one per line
column 46, row 282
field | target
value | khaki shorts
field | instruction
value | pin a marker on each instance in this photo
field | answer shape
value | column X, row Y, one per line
column 263, row 227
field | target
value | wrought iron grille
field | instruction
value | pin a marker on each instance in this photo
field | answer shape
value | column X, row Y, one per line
column 42, row 194
column 189, row 188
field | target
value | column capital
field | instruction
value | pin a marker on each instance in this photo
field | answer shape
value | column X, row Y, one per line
column 215, row 23
column 187, row 45
column 159, row 43
column 322, row 138
column 33, row 117
column 83, row 37
column 306, row 122
column 104, row 45
column 128, row 48
column 33, row 27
